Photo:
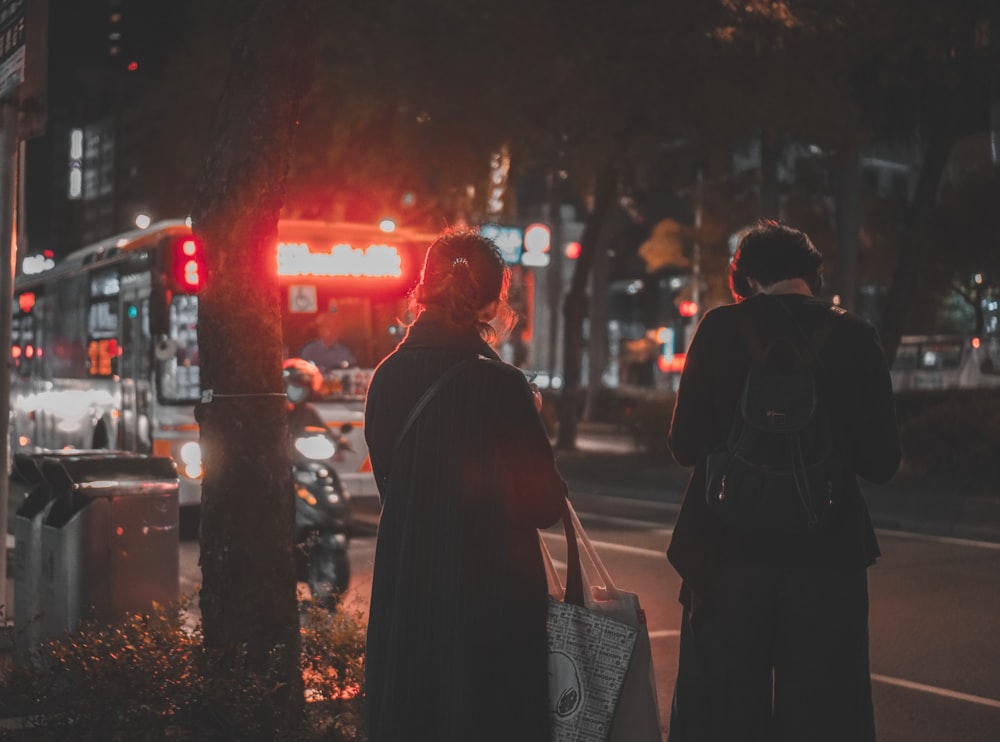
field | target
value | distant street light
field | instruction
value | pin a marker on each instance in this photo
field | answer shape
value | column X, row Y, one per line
column 142, row 221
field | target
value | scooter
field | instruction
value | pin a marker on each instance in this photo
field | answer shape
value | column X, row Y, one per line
column 322, row 516
column 322, row 503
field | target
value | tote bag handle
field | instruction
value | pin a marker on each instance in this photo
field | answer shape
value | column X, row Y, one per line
column 575, row 534
column 592, row 555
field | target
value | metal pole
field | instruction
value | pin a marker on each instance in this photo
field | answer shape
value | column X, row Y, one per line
column 695, row 261
column 8, row 254
column 696, row 252
column 554, row 277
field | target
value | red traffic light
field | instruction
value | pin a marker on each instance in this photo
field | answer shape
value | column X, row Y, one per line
column 188, row 264
column 688, row 308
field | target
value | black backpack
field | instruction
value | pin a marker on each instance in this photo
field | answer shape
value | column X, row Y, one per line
column 779, row 470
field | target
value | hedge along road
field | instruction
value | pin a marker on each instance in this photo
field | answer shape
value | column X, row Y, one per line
column 935, row 614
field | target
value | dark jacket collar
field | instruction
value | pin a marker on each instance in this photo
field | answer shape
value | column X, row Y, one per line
column 430, row 331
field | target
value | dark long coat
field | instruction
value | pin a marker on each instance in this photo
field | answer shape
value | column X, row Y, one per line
column 456, row 635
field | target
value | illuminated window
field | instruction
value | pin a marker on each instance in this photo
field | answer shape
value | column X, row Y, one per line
column 76, row 144
column 75, row 186
column 102, row 354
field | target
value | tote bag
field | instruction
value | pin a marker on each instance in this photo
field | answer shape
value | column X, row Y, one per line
column 601, row 680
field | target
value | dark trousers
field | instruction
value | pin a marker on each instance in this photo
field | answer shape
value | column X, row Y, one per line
column 775, row 654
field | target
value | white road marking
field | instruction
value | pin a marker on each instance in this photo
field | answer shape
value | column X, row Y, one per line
column 953, row 540
column 655, row 553
column 664, row 633
column 627, row 523
column 944, row 692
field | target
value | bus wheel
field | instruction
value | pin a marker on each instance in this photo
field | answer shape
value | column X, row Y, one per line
column 101, row 439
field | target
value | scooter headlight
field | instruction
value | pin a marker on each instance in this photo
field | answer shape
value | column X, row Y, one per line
column 315, row 447
column 190, row 455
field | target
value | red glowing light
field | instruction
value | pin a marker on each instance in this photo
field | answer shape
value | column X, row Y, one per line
column 688, row 308
column 26, row 301
column 671, row 365
column 15, row 351
column 371, row 261
column 573, row 250
column 133, row 66
column 188, row 269
column 976, row 342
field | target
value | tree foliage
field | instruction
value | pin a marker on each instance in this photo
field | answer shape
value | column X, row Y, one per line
column 412, row 99
column 965, row 234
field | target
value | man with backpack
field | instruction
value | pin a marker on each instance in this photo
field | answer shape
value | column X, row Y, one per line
column 784, row 402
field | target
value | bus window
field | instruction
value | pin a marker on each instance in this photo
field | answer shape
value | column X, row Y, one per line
column 179, row 375
column 941, row 355
column 65, row 328
column 25, row 347
column 103, row 347
column 906, row 358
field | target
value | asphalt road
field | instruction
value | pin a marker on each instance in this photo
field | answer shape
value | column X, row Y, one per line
column 935, row 614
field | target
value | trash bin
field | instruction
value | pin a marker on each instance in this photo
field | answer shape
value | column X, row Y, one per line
column 34, row 495
column 109, row 540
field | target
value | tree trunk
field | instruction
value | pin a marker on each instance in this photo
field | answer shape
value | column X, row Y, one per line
column 576, row 302
column 770, row 197
column 848, row 226
column 247, row 515
column 913, row 255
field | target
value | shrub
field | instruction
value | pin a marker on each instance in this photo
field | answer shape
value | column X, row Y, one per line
column 333, row 650
column 151, row 678
column 951, row 439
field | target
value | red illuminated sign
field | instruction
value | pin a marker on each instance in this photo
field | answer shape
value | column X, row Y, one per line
column 341, row 260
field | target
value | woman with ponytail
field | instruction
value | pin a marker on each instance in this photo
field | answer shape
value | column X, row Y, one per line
column 456, row 635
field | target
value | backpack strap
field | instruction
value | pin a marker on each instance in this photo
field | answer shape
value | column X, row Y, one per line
column 751, row 338
column 814, row 343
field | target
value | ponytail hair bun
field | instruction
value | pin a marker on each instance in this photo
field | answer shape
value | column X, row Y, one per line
column 464, row 272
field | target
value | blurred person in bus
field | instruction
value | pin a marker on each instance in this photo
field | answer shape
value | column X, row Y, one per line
column 774, row 632
column 328, row 351
column 456, row 634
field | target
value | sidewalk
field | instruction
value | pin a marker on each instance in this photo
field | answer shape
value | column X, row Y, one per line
column 607, row 463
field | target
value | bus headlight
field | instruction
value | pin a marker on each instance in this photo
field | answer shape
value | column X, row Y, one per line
column 191, row 458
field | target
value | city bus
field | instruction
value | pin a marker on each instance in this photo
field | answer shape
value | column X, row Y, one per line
column 104, row 350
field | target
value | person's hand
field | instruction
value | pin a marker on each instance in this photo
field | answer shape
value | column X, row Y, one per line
column 536, row 393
